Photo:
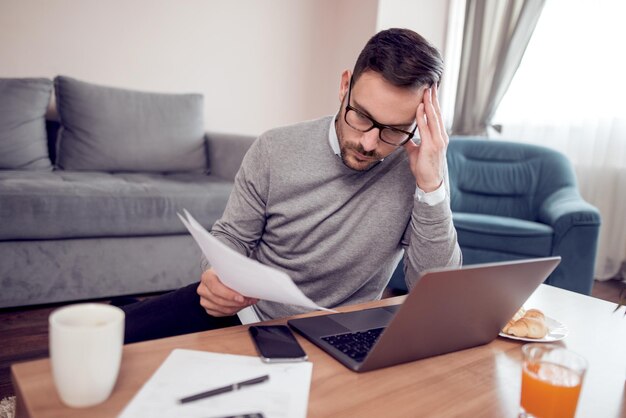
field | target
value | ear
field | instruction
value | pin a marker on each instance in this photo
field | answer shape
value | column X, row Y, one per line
column 345, row 84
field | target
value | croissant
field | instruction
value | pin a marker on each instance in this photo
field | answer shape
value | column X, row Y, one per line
column 518, row 315
column 528, row 327
column 535, row 313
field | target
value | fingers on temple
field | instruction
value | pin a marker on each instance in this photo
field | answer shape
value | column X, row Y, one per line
column 437, row 106
column 421, row 122
column 431, row 114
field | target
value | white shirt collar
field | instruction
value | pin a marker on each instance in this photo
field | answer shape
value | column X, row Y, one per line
column 332, row 136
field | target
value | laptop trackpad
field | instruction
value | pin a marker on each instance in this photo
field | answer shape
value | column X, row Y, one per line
column 361, row 320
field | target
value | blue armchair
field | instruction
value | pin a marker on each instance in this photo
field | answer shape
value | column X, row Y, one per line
column 512, row 201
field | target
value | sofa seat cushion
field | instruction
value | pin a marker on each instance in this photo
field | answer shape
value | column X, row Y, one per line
column 66, row 204
column 490, row 232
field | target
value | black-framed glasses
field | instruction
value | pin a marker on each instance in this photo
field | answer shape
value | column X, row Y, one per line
column 363, row 123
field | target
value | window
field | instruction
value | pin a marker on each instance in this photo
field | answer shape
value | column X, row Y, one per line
column 574, row 69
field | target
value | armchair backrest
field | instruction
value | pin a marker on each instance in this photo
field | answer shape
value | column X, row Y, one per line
column 504, row 178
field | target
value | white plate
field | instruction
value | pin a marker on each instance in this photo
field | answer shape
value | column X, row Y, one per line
column 556, row 332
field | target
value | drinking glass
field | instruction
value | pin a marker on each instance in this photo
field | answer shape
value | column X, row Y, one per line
column 552, row 378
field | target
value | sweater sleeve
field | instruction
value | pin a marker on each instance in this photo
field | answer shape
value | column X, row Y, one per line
column 243, row 221
column 430, row 240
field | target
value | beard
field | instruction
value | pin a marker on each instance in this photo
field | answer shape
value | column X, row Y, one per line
column 373, row 157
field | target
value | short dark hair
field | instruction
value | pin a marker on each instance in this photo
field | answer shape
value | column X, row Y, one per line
column 403, row 57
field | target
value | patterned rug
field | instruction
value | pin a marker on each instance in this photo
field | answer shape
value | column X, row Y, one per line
column 7, row 407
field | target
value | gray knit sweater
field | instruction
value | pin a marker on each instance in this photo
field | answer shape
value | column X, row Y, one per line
column 337, row 232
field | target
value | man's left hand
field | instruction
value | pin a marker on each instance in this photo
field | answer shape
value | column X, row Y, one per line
column 427, row 160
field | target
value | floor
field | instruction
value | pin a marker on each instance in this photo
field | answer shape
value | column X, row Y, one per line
column 24, row 332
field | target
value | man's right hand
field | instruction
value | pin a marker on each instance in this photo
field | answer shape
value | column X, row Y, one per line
column 219, row 300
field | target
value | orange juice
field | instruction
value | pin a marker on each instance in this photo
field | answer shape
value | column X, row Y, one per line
column 550, row 390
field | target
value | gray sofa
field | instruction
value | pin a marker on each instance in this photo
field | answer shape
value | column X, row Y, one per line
column 88, row 204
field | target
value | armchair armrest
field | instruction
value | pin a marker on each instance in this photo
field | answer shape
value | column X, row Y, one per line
column 226, row 151
column 576, row 226
column 565, row 209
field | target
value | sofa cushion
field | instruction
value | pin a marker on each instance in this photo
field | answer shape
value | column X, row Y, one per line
column 112, row 129
column 503, row 234
column 23, row 141
column 64, row 204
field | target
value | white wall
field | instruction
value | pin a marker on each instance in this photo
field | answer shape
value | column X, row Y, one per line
column 259, row 64
column 426, row 17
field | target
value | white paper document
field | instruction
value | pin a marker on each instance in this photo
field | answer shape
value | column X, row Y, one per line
column 245, row 275
column 188, row 372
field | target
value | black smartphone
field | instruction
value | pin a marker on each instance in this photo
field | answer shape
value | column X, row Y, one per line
column 276, row 343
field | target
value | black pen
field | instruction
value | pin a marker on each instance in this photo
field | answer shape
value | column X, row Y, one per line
column 225, row 389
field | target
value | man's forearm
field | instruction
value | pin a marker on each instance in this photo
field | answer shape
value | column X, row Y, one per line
column 432, row 240
column 243, row 220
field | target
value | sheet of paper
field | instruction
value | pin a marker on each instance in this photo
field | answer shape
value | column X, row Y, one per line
column 188, row 372
column 245, row 275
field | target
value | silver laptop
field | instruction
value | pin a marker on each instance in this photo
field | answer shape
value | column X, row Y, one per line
column 447, row 310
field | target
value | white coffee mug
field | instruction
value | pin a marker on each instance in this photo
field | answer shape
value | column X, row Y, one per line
column 86, row 351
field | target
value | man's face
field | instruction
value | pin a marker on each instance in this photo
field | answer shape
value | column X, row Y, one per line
column 382, row 101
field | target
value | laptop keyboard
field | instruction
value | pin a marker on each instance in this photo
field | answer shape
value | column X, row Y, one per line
column 355, row 344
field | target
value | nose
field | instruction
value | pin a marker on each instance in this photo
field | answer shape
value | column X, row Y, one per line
column 369, row 140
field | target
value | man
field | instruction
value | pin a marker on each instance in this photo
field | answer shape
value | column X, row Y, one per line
column 334, row 202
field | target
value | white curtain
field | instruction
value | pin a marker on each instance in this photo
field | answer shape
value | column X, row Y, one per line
column 495, row 36
column 569, row 94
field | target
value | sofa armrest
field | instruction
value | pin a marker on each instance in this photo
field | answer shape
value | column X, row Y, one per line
column 565, row 209
column 226, row 151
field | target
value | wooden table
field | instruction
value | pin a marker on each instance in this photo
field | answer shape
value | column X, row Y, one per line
column 482, row 381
